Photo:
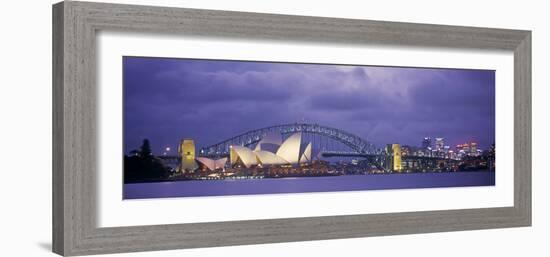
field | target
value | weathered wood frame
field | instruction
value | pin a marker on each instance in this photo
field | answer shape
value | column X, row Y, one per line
column 74, row 128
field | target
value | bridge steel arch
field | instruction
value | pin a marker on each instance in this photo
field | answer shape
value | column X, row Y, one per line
column 354, row 142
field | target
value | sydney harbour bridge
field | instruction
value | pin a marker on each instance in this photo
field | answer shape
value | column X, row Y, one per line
column 327, row 142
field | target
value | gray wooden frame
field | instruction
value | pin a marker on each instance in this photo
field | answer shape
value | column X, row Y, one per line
column 75, row 25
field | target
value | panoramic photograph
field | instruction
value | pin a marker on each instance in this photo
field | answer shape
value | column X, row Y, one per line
column 198, row 127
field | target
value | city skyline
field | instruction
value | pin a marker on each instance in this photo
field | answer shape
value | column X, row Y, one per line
column 167, row 100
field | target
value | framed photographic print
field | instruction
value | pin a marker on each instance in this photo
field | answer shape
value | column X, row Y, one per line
column 183, row 128
column 249, row 127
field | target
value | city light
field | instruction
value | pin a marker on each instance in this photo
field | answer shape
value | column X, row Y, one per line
column 270, row 156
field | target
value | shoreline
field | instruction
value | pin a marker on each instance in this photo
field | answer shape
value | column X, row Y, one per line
column 227, row 187
column 282, row 177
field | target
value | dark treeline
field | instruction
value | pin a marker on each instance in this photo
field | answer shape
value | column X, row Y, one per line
column 141, row 165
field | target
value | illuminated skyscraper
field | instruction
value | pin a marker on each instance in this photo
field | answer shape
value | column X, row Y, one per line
column 473, row 148
column 463, row 147
column 426, row 143
column 447, row 151
column 439, row 143
column 186, row 151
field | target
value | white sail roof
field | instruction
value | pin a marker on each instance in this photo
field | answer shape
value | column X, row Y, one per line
column 306, row 154
column 244, row 154
column 269, row 158
column 290, row 148
column 212, row 164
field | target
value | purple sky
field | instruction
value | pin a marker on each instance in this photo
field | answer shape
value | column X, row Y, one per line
column 166, row 100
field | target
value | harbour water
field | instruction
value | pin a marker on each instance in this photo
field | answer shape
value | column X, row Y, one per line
column 194, row 188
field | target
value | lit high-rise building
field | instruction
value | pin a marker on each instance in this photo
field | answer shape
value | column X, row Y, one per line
column 447, row 151
column 463, row 147
column 452, row 154
column 473, row 148
column 406, row 150
column 439, row 143
column 186, row 151
column 426, row 143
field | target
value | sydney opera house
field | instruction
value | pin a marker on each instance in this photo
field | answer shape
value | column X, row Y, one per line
column 271, row 150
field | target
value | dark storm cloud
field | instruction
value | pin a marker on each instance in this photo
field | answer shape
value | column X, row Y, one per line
column 169, row 99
